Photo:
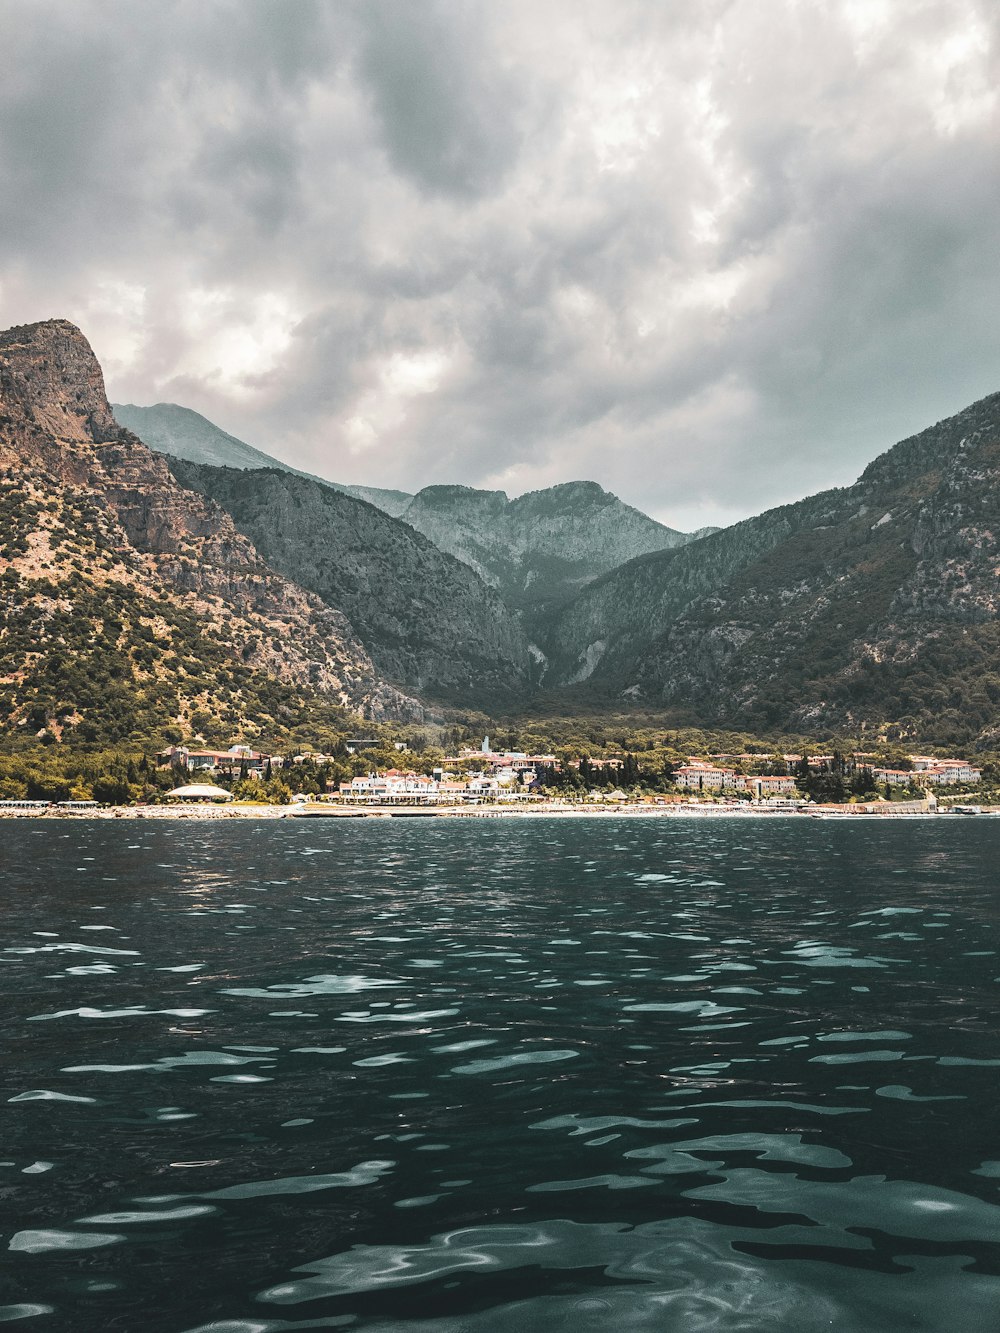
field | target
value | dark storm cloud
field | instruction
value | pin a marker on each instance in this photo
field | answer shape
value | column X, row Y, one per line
column 712, row 256
column 448, row 115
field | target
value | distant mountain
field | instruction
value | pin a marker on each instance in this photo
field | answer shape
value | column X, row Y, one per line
column 877, row 603
column 427, row 619
column 183, row 433
column 131, row 606
column 539, row 550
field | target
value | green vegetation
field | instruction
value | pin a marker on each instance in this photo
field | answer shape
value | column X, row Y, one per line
column 92, row 657
column 113, row 777
column 590, row 757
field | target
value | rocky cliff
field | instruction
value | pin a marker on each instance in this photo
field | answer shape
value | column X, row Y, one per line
column 428, row 620
column 878, row 602
column 539, row 550
column 169, row 428
column 113, row 573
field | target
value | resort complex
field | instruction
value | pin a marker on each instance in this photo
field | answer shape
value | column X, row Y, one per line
column 482, row 775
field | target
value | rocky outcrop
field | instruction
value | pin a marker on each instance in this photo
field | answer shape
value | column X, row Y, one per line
column 428, row 620
column 539, row 550
column 98, row 491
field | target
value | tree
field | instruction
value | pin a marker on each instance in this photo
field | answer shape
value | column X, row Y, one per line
column 278, row 791
column 111, row 790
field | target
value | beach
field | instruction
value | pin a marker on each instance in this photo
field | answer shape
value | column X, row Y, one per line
column 704, row 810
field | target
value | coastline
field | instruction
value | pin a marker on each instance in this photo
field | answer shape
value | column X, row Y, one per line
column 214, row 813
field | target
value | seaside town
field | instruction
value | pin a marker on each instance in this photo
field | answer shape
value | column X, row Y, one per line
column 481, row 780
column 374, row 775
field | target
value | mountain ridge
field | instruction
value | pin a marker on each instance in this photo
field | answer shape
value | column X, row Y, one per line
column 503, row 540
column 169, row 428
column 129, row 600
column 115, row 578
column 859, row 605
column 426, row 618
column 540, row 548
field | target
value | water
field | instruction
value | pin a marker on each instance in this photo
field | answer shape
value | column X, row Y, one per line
column 522, row 1075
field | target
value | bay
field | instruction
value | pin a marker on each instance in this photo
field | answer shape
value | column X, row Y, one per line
column 537, row 1074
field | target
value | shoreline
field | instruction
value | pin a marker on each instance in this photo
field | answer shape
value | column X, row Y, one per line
column 214, row 813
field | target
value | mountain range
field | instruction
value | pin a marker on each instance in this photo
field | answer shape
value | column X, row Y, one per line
column 180, row 580
column 537, row 551
column 870, row 603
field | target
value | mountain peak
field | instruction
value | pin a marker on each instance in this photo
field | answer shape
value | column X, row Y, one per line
column 50, row 373
column 450, row 493
column 566, row 497
column 169, row 428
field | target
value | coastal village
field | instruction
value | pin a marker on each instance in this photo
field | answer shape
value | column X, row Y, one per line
column 517, row 778
column 373, row 773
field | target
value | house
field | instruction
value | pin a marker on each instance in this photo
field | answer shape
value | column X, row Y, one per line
column 392, row 787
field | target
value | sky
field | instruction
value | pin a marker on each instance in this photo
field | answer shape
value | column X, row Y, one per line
column 715, row 256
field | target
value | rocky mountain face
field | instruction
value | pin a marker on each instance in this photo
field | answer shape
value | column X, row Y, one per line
column 875, row 602
column 428, row 620
column 171, row 429
column 539, row 550
column 127, row 600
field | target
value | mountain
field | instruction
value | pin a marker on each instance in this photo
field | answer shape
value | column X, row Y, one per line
column 183, row 433
column 869, row 604
column 427, row 620
column 537, row 551
column 260, row 600
column 130, row 604
column 540, row 549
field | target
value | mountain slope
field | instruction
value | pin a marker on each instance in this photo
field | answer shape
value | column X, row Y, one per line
column 129, row 604
column 877, row 602
column 537, row 551
column 171, row 429
column 427, row 619
column 541, row 548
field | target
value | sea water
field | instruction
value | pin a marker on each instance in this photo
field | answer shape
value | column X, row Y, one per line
column 536, row 1074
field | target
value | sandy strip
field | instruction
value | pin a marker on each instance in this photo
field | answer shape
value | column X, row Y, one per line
column 298, row 811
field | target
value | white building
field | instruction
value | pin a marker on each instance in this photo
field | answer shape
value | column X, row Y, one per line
column 942, row 772
column 765, row 785
column 391, row 786
column 704, row 777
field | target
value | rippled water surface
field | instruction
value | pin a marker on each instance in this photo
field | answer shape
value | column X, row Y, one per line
column 524, row 1075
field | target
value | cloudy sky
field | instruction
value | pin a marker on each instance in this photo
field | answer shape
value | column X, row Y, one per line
column 713, row 255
